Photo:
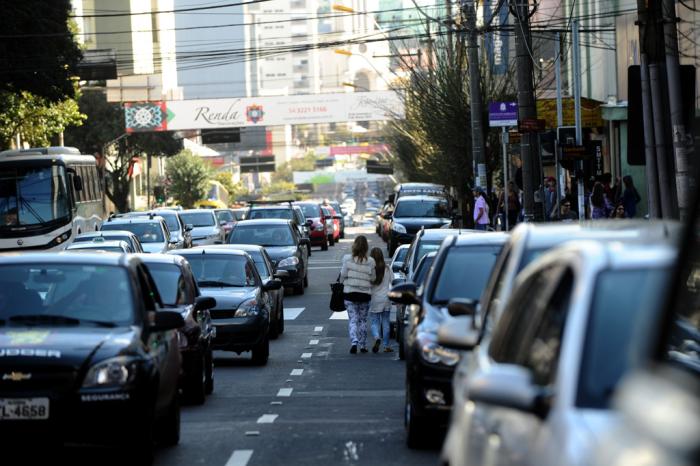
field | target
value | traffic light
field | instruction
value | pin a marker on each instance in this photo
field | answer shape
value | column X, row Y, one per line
column 159, row 194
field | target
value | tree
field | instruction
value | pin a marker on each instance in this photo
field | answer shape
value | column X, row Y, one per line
column 38, row 53
column 235, row 190
column 187, row 178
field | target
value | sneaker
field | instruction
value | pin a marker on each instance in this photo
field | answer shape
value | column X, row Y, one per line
column 353, row 349
column 375, row 347
column 363, row 350
column 388, row 350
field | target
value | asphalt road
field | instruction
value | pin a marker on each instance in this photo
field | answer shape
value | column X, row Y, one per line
column 313, row 404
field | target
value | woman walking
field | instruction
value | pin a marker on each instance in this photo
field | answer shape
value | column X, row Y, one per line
column 599, row 203
column 357, row 274
column 379, row 308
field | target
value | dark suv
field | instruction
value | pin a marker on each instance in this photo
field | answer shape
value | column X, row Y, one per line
column 413, row 213
column 92, row 353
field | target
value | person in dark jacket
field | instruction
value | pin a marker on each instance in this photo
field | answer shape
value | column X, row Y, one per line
column 630, row 197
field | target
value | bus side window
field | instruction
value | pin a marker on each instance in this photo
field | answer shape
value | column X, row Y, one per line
column 80, row 195
column 96, row 182
column 89, row 181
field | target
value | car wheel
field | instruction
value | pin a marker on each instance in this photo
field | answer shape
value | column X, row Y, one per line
column 342, row 234
column 299, row 289
column 280, row 322
column 209, row 364
column 306, row 280
column 324, row 246
column 399, row 340
column 274, row 325
column 261, row 352
column 195, row 389
column 331, row 241
column 415, row 427
column 169, row 426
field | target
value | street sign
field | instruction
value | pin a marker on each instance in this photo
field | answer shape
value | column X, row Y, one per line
column 258, row 164
column 574, row 153
column 503, row 114
column 379, row 168
column 323, row 163
column 531, row 125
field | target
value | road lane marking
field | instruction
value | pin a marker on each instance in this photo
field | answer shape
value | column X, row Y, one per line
column 292, row 313
column 285, row 392
column 318, row 329
column 313, row 342
column 267, row 418
column 276, row 403
column 297, row 372
column 306, row 355
column 239, row 457
column 339, row 316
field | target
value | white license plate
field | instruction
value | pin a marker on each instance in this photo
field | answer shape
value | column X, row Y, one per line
column 24, row 409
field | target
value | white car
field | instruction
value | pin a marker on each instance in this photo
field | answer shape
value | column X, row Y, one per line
column 151, row 231
column 540, row 387
column 205, row 227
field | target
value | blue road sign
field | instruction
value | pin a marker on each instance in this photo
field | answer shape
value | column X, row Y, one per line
column 503, row 114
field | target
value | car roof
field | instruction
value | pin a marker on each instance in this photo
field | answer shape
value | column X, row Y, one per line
column 270, row 207
column 100, row 233
column 135, row 219
column 155, row 213
column 420, row 197
column 488, row 238
column 264, row 221
column 197, row 211
column 439, row 233
column 98, row 244
column 420, row 185
column 161, row 258
column 93, row 258
column 204, row 250
column 240, row 247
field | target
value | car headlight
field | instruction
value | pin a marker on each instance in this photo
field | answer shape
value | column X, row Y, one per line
column 436, row 354
column 398, row 228
column 289, row 262
column 113, row 372
column 247, row 309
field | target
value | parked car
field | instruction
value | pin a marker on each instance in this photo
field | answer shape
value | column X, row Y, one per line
column 541, row 386
column 99, row 357
column 384, row 221
column 179, row 233
column 285, row 210
column 226, row 219
column 304, row 228
column 267, row 272
column 179, row 291
column 397, row 262
column 339, row 212
column 316, row 220
column 332, row 224
column 112, row 235
column 282, row 242
column 243, row 303
column 427, row 241
column 121, row 247
column 418, row 189
column 152, row 232
column 205, row 227
column 415, row 213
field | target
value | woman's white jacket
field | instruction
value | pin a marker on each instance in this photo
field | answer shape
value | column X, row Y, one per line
column 357, row 276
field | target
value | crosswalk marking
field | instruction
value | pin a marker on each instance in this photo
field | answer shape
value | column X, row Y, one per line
column 297, row 372
column 292, row 313
column 239, row 458
column 267, row 418
column 318, row 329
column 313, row 342
column 339, row 316
column 285, row 392
column 306, row 355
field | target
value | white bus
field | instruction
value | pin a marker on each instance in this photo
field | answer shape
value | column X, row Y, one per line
column 47, row 196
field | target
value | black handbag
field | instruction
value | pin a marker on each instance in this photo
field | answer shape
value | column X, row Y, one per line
column 337, row 296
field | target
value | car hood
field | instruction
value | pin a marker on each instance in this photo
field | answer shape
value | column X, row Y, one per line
column 229, row 298
column 154, row 248
column 201, row 232
column 277, row 253
column 414, row 223
column 26, row 347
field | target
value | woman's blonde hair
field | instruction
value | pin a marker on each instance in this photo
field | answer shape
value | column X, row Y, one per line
column 360, row 248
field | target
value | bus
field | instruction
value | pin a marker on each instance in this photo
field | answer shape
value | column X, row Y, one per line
column 217, row 197
column 48, row 196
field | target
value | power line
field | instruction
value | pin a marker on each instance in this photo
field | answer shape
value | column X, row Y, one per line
column 180, row 10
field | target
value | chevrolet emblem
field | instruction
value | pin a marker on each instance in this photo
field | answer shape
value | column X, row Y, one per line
column 16, row 376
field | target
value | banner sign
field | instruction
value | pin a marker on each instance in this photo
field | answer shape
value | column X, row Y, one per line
column 497, row 41
column 176, row 115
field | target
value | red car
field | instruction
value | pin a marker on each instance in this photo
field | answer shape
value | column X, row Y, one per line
column 316, row 219
column 333, row 224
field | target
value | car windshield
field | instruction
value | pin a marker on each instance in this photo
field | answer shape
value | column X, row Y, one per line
column 239, row 214
column 31, row 195
column 453, row 282
column 172, row 222
column 622, row 313
column 401, row 255
column 285, row 214
column 146, row 232
column 424, row 247
column 422, row 270
column 424, row 208
column 170, row 283
column 224, row 216
column 262, row 235
column 310, row 210
column 64, row 294
column 212, row 270
column 198, row 219
column 260, row 264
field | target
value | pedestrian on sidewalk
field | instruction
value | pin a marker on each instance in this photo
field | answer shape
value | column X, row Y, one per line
column 380, row 307
column 357, row 274
column 481, row 210
column 630, row 197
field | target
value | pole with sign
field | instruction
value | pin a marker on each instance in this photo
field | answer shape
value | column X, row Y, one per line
column 504, row 114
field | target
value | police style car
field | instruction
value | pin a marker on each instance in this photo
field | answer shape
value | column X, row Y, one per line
column 87, row 354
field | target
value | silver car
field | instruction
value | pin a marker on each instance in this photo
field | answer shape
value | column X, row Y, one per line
column 205, row 227
column 152, row 231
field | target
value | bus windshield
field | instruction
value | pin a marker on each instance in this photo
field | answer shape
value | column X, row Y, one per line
column 32, row 195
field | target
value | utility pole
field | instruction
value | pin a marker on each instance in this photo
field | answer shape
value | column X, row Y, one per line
column 577, row 115
column 476, row 105
column 682, row 144
column 560, row 118
column 526, row 100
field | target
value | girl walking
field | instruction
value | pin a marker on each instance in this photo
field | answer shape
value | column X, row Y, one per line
column 380, row 308
column 357, row 274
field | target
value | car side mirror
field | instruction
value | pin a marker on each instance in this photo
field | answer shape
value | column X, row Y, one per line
column 272, row 285
column 462, row 307
column 510, row 386
column 189, row 227
column 281, row 274
column 404, row 293
column 397, row 266
column 457, row 333
column 167, row 320
column 204, row 302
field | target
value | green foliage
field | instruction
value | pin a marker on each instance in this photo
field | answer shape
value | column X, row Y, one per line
column 35, row 119
column 43, row 64
column 278, row 188
column 235, row 190
column 322, row 179
column 187, row 178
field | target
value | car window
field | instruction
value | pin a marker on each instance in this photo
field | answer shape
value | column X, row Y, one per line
column 146, row 232
column 198, row 219
column 424, row 208
column 400, row 255
column 263, row 235
column 422, row 270
column 310, row 210
column 261, row 264
column 250, row 275
column 171, row 221
column 225, row 216
column 451, row 281
column 171, row 284
column 424, row 247
column 212, row 270
column 493, row 288
column 285, row 214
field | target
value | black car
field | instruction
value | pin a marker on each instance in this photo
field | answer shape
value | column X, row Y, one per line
column 460, row 272
column 87, row 353
column 413, row 213
column 179, row 291
column 282, row 242
column 243, row 302
column 284, row 210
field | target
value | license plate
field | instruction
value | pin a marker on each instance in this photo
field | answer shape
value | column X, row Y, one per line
column 23, row 409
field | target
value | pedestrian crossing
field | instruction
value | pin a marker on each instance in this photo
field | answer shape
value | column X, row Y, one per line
column 339, row 316
column 291, row 313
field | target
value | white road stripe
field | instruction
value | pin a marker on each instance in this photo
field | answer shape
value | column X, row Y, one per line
column 313, row 342
column 239, row 458
column 318, row 329
column 285, row 392
column 297, row 372
column 306, row 355
column 292, row 313
column 267, row 418
column 339, row 316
